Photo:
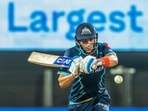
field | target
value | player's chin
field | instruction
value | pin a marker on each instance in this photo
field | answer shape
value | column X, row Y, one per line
column 88, row 51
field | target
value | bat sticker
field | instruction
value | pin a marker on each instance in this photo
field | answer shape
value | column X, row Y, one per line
column 63, row 61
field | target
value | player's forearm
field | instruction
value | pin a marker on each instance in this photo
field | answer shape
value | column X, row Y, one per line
column 65, row 81
column 109, row 60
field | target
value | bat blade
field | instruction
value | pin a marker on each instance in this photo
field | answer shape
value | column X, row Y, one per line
column 49, row 60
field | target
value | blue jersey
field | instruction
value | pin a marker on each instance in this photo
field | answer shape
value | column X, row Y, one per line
column 90, row 85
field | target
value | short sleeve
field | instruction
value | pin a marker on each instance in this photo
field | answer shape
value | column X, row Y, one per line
column 107, row 49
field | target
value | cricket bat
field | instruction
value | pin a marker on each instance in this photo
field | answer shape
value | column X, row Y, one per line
column 51, row 60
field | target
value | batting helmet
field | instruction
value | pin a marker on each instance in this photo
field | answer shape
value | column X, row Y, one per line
column 85, row 31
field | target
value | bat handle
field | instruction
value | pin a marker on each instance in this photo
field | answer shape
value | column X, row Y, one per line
column 96, row 64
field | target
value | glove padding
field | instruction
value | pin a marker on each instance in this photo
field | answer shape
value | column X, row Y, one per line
column 87, row 63
column 74, row 67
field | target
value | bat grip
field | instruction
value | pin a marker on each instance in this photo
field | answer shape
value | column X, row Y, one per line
column 96, row 64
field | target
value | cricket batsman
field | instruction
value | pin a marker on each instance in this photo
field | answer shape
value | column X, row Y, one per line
column 86, row 82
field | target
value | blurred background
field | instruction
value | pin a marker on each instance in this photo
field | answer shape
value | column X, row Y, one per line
column 49, row 27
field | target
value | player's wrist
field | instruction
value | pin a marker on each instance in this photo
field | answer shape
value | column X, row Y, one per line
column 105, row 61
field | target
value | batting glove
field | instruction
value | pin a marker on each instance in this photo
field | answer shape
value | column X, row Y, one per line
column 74, row 67
column 86, row 64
